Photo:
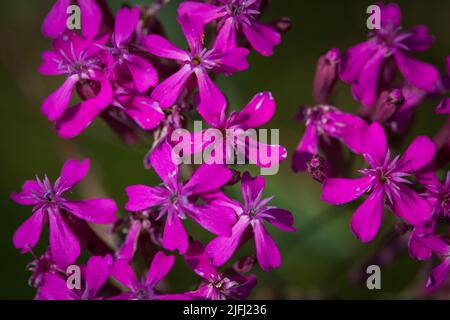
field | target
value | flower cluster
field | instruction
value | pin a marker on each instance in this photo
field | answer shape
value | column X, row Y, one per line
column 125, row 71
column 389, row 84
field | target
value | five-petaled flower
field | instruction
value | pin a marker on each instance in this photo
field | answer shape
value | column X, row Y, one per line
column 50, row 205
column 384, row 181
column 252, row 215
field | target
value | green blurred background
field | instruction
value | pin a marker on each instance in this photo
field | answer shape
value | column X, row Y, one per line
column 318, row 257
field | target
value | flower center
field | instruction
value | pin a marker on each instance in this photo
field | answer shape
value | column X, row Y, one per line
column 196, row 60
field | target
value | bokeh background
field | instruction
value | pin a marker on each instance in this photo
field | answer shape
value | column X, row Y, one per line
column 321, row 259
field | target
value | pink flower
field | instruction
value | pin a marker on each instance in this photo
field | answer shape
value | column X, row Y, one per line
column 384, row 181
column 322, row 123
column 234, row 16
column 145, row 289
column 216, row 285
column 252, row 215
column 441, row 249
column 50, row 205
column 142, row 72
column 96, row 274
column 363, row 64
column 239, row 139
column 177, row 199
column 197, row 61
column 55, row 22
column 81, row 61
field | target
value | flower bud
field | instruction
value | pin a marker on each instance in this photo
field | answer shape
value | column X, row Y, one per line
column 388, row 105
column 326, row 75
column 319, row 168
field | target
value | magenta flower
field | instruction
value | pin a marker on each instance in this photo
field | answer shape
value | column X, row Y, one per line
column 55, row 22
column 216, row 285
column 145, row 289
column 437, row 194
column 327, row 72
column 49, row 204
column 444, row 105
column 177, row 199
column 96, row 274
column 441, row 249
column 197, row 61
column 252, row 215
column 234, row 16
column 80, row 60
column 144, row 111
column 239, row 139
column 322, row 122
column 142, row 72
column 363, row 64
column 384, row 181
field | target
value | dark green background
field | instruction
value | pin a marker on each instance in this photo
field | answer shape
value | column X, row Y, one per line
column 317, row 258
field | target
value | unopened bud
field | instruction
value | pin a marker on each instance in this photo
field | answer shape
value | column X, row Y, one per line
column 388, row 105
column 326, row 75
column 282, row 25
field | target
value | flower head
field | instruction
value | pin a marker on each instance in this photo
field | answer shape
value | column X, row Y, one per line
column 196, row 61
column 176, row 199
column 363, row 64
column 252, row 215
column 234, row 16
column 49, row 204
column 385, row 180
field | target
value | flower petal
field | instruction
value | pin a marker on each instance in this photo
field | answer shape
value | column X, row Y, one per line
column 144, row 75
column 77, row 118
column 193, row 28
column 212, row 105
column 160, row 267
column 122, row 272
column 420, row 74
column 262, row 37
column 28, row 234
column 204, row 11
column 208, row 177
column 280, row 218
column 31, row 191
column 197, row 260
column 215, row 219
column 267, row 252
column 420, row 152
column 162, row 48
column 257, row 112
column 97, row 273
column 53, row 107
column 91, row 17
column 438, row 275
column 72, row 173
column 126, row 21
column 340, row 191
column 165, row 162
column 55, row 22
column 168, row 91
column 408, row 205
column 221, row 249
column 366, row 221
column 174, row 236
column 141, row 197
column 129, row 246
column 100, row 211
column 64, row 245
column 226, row 36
